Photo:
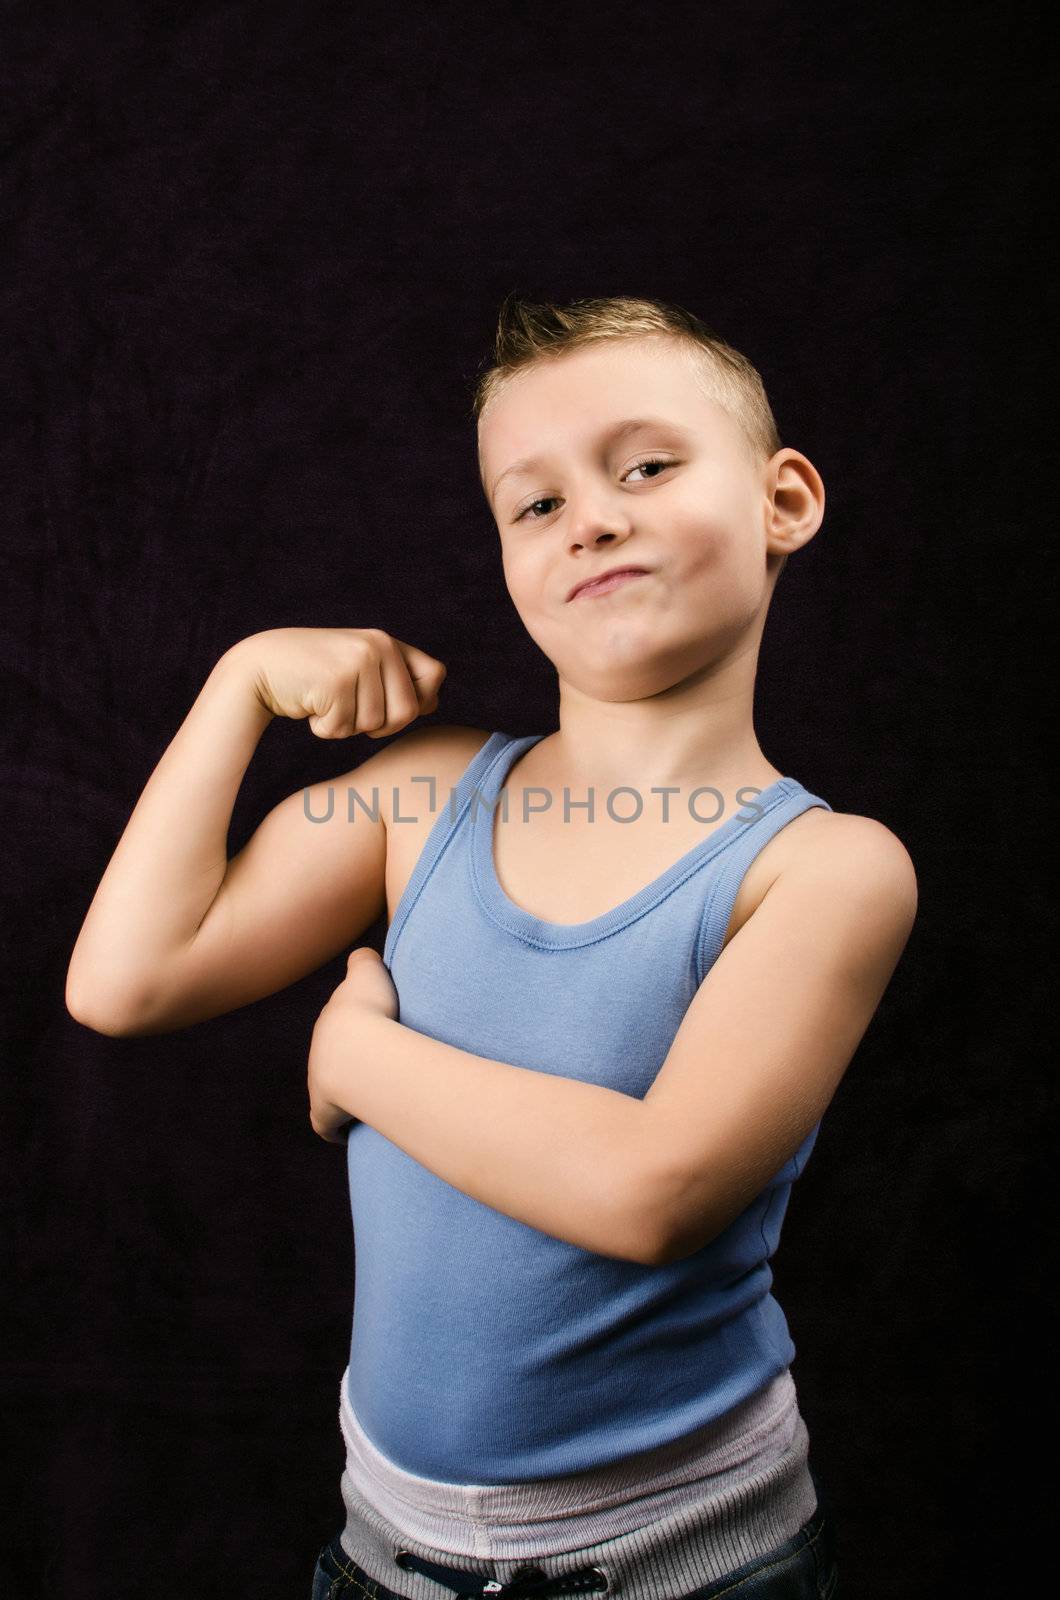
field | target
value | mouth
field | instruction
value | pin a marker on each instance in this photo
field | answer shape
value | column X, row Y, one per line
column 604, row 582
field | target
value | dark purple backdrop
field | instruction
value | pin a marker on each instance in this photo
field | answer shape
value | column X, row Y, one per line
column 253, row 258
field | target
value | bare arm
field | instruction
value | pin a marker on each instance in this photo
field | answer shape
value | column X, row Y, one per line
column 171, row 860
column 773, row 1027
column 558, row 1154
column 176, row 932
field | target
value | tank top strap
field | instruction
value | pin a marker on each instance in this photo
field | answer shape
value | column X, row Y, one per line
column 791, row 800
column 453, row 808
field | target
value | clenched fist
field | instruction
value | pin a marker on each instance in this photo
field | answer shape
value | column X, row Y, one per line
column 367, row 986
column 345, row 680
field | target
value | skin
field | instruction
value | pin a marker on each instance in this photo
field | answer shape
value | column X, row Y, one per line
column 659, row 673
column 663, row 666
column 658, row 676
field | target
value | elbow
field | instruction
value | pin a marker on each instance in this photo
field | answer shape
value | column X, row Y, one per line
column 674, row 1246
column 647, row 1237
column 673, row 1221
column 693, row 1232
column 112, row 1024
column 95, row 1006
column 671, row 1250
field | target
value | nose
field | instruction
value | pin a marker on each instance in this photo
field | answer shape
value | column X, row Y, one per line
column 593, row 523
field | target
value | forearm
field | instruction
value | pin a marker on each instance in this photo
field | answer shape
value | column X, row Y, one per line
column 172, row 857
column 563, row 1156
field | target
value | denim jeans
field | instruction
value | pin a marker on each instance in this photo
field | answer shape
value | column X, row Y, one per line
column 802, row 1568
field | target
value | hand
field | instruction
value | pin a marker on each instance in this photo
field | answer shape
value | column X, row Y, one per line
column 345, row 680
column 367, row 987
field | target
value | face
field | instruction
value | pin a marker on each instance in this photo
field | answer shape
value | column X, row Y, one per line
column 678, row 496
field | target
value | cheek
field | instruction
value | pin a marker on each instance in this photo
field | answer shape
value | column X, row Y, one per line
column 717, row 546
column 703, row 549
column 526, row 576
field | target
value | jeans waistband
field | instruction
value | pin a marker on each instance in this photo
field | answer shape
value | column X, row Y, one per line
column 529, row 1581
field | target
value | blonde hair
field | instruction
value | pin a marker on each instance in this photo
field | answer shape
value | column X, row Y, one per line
column 528, row 332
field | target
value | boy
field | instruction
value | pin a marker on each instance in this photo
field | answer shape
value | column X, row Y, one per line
column 625, row 1003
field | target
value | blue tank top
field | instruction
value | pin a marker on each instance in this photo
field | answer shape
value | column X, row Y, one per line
column 483, row 1350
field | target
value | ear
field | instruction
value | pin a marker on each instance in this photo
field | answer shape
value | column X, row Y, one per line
column 794, row 502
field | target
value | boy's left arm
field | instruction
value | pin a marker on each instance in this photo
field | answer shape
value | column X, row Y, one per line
column 774, row 1025
column 756, row 1060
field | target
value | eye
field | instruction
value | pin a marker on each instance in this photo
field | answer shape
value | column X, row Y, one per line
column 650, row 461
column 524, row 513
column 645, row 461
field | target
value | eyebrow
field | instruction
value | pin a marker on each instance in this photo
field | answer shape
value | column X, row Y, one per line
column 618, row 430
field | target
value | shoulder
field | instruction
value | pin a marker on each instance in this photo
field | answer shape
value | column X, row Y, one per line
column 857, row 848
column 437, row 755
column 833, row 865
column 442, row 739
column 856, row 869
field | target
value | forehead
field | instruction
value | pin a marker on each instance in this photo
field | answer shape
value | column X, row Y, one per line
column 567, row 402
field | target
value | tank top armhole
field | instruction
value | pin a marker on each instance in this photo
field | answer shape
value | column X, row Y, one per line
column 451, row 809
column 717, row 911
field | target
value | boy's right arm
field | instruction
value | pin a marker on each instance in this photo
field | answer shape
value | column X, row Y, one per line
column 176, row 932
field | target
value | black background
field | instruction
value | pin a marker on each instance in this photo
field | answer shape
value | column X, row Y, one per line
column 252, row 261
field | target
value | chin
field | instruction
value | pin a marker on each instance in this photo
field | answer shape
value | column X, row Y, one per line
column 617, row 682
